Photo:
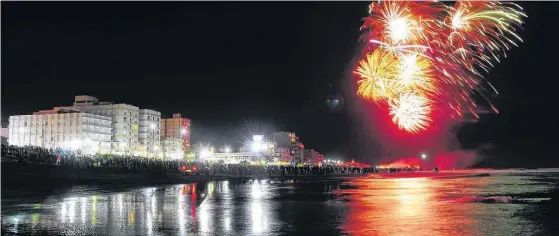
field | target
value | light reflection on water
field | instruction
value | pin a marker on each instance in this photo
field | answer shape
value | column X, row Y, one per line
column 366, row 206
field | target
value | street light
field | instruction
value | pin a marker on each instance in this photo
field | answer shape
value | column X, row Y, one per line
column 205, row 153
column 226, row 149
column 423, row 156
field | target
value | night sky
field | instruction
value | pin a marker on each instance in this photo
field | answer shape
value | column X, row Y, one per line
column 235, row 68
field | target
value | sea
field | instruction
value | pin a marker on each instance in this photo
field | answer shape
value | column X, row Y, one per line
column 467, row 202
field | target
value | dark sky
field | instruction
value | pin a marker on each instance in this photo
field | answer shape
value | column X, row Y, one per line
column 235, row 67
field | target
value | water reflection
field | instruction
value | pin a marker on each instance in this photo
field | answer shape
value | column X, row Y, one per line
column 426, row 206
column 367, row 206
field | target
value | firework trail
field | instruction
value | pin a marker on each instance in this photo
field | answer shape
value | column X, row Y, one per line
column 427, row 56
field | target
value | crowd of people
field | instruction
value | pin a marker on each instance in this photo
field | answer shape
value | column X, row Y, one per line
column 76, row 159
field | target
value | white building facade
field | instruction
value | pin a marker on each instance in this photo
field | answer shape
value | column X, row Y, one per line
column 149, row 131
column 125, row 121
column 89, row 133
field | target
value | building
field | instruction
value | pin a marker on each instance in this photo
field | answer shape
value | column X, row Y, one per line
column 313, row 157
column 125, row 120
column 282, row 154
column 177, row 128
column 298, row 153
column 149, row 130
column 285, row 139
column 62, row 128
column 259, row 146
column 172, row 148
column 291, row 141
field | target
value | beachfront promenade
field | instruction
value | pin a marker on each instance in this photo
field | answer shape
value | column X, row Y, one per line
column 29, row 165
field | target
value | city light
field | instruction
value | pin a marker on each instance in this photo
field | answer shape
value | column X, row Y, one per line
column 423, row 156
column 205, row 153
column 227, row 149
column 183, row 131
column 75, row 144
column 257, row 138
column 256, row 147
column 152, row 126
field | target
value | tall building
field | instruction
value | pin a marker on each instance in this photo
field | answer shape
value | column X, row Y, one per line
column 125, row 120
column 149, row 132
column 63, row 128
column 177, row 128
column 298, row 153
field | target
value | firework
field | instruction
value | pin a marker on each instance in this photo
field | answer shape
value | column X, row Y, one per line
column 423, row 56
column 377, row 71
column 482, row 31
column 411, row 112
column 415, row 73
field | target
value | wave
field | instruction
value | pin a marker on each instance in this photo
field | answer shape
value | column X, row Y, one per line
column 505, row 199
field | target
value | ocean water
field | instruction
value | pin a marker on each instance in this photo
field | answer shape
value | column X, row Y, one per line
column 475, row 202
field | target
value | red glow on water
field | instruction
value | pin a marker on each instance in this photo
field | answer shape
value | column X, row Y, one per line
column 408, row 206
column 447, row 160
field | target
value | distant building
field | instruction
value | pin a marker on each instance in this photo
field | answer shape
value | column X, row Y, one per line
column 285, row 139
column 63, row 128
column 282, row 154
column 313, row 157
column 149, row 133
column 172, row 148
column 291, row 141
column 177, row 128
column 125, row 120
column 298, row 153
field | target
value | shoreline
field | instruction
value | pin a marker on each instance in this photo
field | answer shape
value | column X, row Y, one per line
column 24, row 183
column 27, row 175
